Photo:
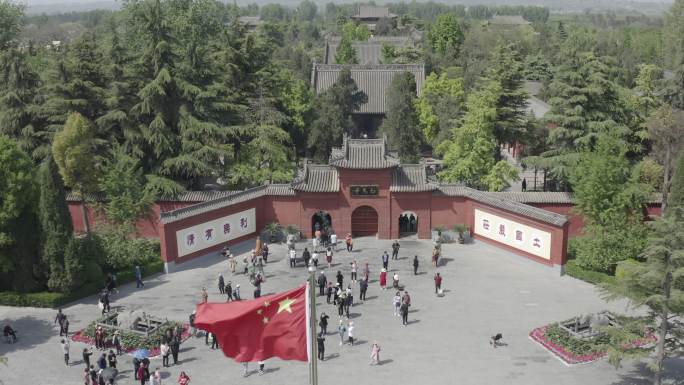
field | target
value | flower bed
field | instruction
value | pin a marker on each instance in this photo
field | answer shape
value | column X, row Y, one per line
column 573, row 351
column 130, row 341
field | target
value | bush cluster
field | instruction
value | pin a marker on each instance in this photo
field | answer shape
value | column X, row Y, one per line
column 131, row 340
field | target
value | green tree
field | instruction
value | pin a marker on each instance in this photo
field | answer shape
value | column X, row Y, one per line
column 647, row 82
column 18, row 194
column 666, row 132
column 19, row 111
column 469, row 154
column 401, row 123
column 441, row 104
column 11, row 19
column 673, row 35
column 55, row 223
column 506, row 68
column 334, row 109
column 676, row 197
column 127, row 196
column 73, row 149
column 346, row 53
column 610, row 198
column 306, row 10
column 445, row 36
column 656, row 284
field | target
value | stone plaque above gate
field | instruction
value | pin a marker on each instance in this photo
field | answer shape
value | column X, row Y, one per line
column 364, row 190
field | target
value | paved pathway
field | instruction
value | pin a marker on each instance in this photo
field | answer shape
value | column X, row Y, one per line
column 488, row 290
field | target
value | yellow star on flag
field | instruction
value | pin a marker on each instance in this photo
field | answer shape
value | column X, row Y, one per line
column 265, row 319
column 285, row 305
column 259, row 311
column 267, row 304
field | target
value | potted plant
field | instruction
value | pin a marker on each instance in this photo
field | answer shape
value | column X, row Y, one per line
column 438, row 234
column 292, row 232
column 273, row 230
column 461, row 229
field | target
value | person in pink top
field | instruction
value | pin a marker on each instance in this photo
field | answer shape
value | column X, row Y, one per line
column 383, row 279
column 183, row 379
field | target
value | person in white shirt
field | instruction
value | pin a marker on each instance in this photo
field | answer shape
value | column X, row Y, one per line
column 65, row 350
column 333, row 240
column 293, row 256
column 350, row 332
column 314, row 258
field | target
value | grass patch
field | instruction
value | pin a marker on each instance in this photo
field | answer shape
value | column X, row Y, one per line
column 593, row 277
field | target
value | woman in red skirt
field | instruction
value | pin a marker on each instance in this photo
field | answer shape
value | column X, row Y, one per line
column 383, row 279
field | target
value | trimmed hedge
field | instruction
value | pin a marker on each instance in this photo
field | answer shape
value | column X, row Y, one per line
column 594, row 277
column 51, row 299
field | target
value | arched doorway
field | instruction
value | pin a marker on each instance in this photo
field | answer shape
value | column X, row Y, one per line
column 408, row 223
column 364, row 221
column 321, row 221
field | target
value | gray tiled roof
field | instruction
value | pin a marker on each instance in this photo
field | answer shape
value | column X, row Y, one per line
column 363, row 154
column 508, row 205
column 536, row 197
column 410, row 178
column 367, row 52
column 372, row 12
column 233, row 198
column 373, row 80
column 188, row 196
column 317, row 178
column 537, row 107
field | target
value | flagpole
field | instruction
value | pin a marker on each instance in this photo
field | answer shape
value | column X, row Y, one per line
column 313, row 367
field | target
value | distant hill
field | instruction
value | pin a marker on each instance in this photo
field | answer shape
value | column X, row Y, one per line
column 556, row 6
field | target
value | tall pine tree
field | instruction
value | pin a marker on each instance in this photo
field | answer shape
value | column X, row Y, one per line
column 401, row 124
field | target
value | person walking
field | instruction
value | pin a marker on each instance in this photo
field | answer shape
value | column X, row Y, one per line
column 221, row 284
column 340, row 278
column 323, row 323
column 366, row 272
column 395, row 281
column 99, row 338
column 232, row 263
column 155, row 378
column 336, row 294
column 111, row 359
column 341, row 301
column 264, row 252
column 116, row 341
column 350, row 243
column 354, row 269
column 333, row 240
column 524, row 185
column 404, row 313
column 204, row 296
column 348, row 298
column 306, row 255
column 383, row 278
column 328, row 257
column 415, row 265
column 322, row 281
column 175, row 347
column 350, row 333
column 328, row 292
column 164, row 350
column 236, row 292
column 59, row 319
column 397, row 304
column 314, row 258
column 385, row 260
column 363, row 287
column 375, row 353
column 102, row 361
column 341, row 329
column 86, row 376
column 138, row 278
column 183, row 379
column 261, row 367
column 321, row 346
column 65, row 350
column 293, row 258
column 86, row 356
column 229, row 291
column 214, row 342
column 438, row 283
column 395, row 250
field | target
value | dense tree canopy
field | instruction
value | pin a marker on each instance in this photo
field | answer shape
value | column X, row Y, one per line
column 401, row 124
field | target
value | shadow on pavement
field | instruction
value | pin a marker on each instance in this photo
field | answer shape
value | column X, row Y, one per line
column 641, row 375
column 31, row 331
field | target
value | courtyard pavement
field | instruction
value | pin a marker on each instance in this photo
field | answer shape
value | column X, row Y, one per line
column 488, row 290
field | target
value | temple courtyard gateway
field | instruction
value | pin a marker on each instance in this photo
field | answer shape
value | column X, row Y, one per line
column 364, row 190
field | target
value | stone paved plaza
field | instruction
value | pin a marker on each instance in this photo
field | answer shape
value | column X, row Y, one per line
column 488, row 290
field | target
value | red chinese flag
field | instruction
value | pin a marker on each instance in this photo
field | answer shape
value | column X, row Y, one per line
column 258, row 329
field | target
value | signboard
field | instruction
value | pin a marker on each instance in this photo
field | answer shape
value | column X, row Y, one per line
column 364, row 191
column 218, row 231
column 514, row 234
